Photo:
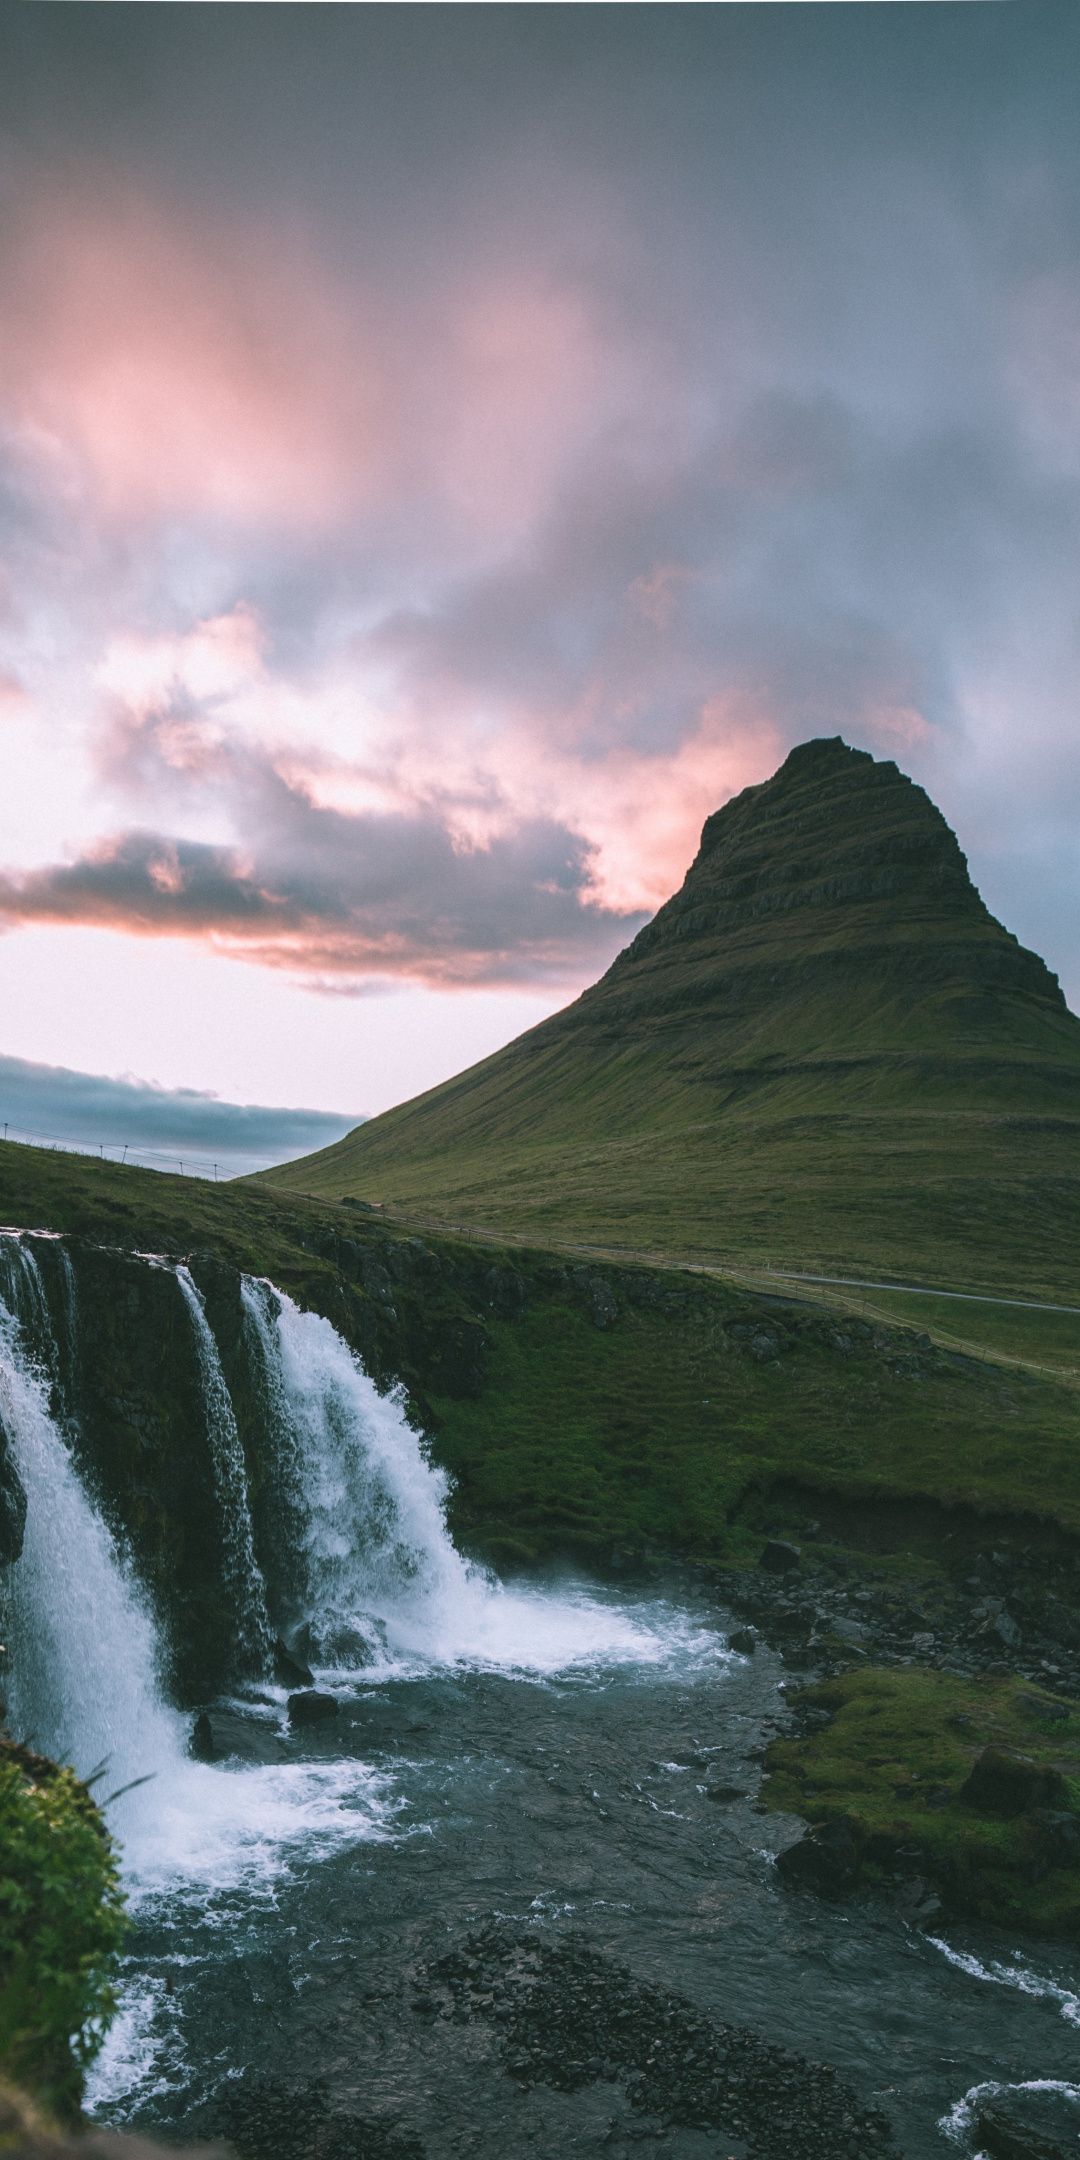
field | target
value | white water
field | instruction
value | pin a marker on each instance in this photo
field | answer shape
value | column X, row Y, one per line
column 84, row 1686
column 960, row 2121
column 387, row 1593
column 242, row 1572
column 1013, row 1975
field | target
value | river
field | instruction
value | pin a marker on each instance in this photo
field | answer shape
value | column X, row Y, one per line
column 517, row 1894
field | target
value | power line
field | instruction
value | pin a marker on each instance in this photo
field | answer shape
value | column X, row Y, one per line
column 126, row 1151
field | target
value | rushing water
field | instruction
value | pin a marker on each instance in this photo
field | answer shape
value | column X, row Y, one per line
column 548, row 1756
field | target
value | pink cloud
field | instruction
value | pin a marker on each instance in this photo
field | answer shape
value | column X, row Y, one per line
column 186, row 370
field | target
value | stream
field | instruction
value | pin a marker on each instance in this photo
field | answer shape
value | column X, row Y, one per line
column 514, row 1891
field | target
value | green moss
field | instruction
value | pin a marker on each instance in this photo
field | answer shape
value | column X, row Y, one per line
column 61, row 1924
column 894, row 1756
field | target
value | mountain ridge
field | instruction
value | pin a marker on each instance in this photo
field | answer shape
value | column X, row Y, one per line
column 823, row 1046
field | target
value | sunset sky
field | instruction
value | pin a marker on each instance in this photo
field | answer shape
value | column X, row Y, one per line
column 444, row 452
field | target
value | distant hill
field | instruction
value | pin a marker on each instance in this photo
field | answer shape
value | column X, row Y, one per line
column 823, row 1051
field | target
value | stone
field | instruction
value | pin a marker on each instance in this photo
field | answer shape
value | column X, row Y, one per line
column 826, row 1859
column 312, row 1707
column 778, row 1557
column 201, row 1744
column 1028, row 2126
column 743, row 1640
column 1054, row 1838
column 12, row 1506
column 1004, row 1784
column 290, row 1671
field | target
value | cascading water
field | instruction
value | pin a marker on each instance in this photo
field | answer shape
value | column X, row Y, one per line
column 243, row 1574
column 383, row 1587
column 83, row 1651
column 85, row 1656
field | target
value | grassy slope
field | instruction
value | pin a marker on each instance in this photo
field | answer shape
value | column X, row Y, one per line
column 650, row 1433
column 824, row 1052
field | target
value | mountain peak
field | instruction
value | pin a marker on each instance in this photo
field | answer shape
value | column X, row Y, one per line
column 837, row 862
column 822, row 1046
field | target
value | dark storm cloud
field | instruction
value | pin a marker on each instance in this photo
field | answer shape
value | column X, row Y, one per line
column 164, row 1128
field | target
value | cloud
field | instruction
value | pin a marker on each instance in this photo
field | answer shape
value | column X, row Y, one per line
column 323, row 893
column 159, row 1127
column 430, row 493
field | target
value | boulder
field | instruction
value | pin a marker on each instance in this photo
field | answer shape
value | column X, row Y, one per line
column 1028, row 2126
column 743, row 1640
column 778, row 1557
column 1004, row 1784
column 289, row 1671
column 826, row 1859
column 201, row 1744
column 12, row 1506
column 1053, row 1839
column 311, row 1707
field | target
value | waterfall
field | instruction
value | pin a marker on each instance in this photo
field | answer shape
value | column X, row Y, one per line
column 378, row 1566
column 378, row 1585
column 243, row 1575
column 82, row 1684
column 368, row 1581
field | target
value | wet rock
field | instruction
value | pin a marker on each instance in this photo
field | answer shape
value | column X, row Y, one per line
column 1004, row 1784
column 12, row 1507
column 598, row 1296
column 344, row 1646
column 723, row 1793
column 377, row 1282
column 570, row 2018
column 1028, row 2126
column 825, row 1859
column 743, row 1640
column 201, row 1744
column 1053, row 1836
column 778, row 1557
column 290, row 1671
column 918, row 1901
column 505, row 1292
column 312, row 1707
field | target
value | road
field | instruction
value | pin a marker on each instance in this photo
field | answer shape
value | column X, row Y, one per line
column 966, row 1297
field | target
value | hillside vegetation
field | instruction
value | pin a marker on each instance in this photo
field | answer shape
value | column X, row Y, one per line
column 581, row 1407
column 823, row 1051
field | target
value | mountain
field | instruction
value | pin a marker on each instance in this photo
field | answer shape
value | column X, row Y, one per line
column 823, row 1052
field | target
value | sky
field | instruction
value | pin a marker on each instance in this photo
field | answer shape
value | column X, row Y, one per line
column 445, row 452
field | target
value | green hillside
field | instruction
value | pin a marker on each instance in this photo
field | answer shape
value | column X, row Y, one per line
column 823, row 1051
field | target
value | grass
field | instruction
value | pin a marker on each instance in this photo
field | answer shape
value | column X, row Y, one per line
column 1042, row 1341
column 657, row 1434
column 893, row 1758
column 823, row 1053
column 654, row 1434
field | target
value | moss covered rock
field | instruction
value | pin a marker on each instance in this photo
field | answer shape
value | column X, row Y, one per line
column 61, row 1925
